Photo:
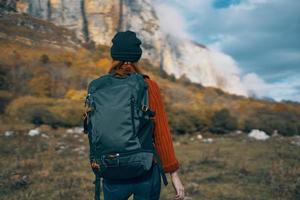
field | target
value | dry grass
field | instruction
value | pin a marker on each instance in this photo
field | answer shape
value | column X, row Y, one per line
column 232, row 167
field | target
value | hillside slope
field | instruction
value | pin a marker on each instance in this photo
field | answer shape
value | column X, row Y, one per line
column 96, row 21
column 45, row 70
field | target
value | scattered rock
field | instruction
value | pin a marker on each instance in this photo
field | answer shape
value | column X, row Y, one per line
column 75, row 130
column 81, row 140
column 60, row 147
column 45, row 135
column 296, row 140
column 8, row 133
column 199, row 137
column 276, row 134
column 258, row 135
column 297, row 143
column 235, row 133
column 80, row 150
column 70, row 131
column 34, row 132
column 207, row 140
column 177, row 143
column 192, row 139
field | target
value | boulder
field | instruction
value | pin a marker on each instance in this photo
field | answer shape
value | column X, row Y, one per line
column 34, row 132
column 258, row 135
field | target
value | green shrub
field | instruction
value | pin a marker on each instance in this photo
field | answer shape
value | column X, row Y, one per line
column 4, row 71
column 54, row 112
column 185, row 121
column 39, row 114
column 44, row 59
column 286, row 123
column 5, row 98
column 222, row 122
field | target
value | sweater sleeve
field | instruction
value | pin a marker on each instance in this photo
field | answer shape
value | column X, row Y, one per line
column 162, row 135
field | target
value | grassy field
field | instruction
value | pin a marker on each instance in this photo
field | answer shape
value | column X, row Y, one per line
column 54, row 165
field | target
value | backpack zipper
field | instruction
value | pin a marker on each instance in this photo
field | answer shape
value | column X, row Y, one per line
column 92, row 105
column 132, row 114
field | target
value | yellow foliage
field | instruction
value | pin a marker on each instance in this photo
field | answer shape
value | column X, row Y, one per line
column 76, row 94
column 104, row 63
column 40, row 85
column 279, row 107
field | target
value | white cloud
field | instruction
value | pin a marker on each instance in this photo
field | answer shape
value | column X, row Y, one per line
column 255, row 85
column 169, row 15
column 249, row 4
column 261, row 36
column 228, row 68
column 282, row 90
column 287, row 88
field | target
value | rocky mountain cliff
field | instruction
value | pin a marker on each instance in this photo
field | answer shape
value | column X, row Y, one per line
column 98, row 21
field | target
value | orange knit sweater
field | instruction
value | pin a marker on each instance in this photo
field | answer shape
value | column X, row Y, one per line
column 162, row 135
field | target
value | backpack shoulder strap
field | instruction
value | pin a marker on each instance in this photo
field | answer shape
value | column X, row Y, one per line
column 162, row 172
column 151, row 114
column 97, row 183
column 98, row 82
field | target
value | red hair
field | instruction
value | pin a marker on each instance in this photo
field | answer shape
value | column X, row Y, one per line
column 122, row 67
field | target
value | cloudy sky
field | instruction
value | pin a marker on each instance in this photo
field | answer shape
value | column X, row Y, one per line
column 262, row 36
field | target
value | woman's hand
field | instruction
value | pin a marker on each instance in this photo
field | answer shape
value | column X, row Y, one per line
column 177, row 186
column 94, row 165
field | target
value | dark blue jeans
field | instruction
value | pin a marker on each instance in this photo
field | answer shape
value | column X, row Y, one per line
column 146, row 187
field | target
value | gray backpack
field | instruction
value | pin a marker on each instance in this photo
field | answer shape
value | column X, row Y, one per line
column 120, row 125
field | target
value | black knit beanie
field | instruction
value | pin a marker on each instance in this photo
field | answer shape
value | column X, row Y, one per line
column 126, row 47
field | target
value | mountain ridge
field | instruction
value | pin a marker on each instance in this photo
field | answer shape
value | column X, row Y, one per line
column 97, row 21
